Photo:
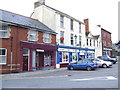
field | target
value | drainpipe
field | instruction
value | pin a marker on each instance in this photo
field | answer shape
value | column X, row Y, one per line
column 11, row 38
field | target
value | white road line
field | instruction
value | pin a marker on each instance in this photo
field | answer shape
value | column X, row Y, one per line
column 96, row 78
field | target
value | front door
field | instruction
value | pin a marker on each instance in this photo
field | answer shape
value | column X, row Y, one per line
column 25, row 63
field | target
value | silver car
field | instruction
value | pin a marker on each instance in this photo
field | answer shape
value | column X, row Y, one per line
column 102, row 63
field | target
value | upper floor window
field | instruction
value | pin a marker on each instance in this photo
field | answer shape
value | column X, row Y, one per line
column 4, row 31
column 79, row 27
column 94, row 42
column 80, row 40
column 47, row 38
column 3, row 55
column 61, row 37
column 72, row 40
column 61, row 21
column 90, row 42
column 32, row 35
column 87, row 42
column 71, row 24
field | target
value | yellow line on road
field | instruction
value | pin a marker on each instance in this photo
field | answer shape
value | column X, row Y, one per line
column 33, row 77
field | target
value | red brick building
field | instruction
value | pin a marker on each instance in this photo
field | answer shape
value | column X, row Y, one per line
column 106, row 42
column 26, row 44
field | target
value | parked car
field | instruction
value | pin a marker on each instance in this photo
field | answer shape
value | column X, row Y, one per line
column 107, row 58
column 82, row 64
column 102, row 63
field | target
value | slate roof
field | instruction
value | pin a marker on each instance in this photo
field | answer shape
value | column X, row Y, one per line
column 16, row 19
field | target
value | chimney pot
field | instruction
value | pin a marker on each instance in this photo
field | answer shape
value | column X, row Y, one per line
column 39, row 3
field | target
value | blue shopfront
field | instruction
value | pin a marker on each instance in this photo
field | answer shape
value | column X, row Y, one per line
column 67, row 54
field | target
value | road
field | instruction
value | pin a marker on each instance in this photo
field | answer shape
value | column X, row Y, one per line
column 63, row 78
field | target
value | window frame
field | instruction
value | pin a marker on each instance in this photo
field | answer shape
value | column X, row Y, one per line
column 49, row 38
column 62, row 36
column 71, row 24
column 31, row 34
column 4, row 56
column 5, row 30
column 61, row 21
column 71, row 39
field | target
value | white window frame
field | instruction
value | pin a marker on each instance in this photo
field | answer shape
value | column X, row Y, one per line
column 35, row 35
column 80, row 40
column 71, row 39
column 1, row 56
column 62, row 35
column 61, row 21
column 4, row 31
column 49, row 38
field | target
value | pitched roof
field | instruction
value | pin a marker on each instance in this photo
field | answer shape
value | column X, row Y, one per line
column 16, row 19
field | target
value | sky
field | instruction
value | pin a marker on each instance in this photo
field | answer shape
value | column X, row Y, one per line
column 99, row 12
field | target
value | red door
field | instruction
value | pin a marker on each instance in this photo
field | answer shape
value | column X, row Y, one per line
column 25, row 63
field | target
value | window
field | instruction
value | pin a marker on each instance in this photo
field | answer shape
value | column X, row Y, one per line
column 71, row 24
column 94, row 42
column 61, row 21
column 4, row 32
column 90, row 42
column 65, row 57
column 3, row 53
column 61, row 37
column 47, row 38
column 79, row 27
column 87, row 42
column 72, row 41
column 32, row 35
column 80, row 40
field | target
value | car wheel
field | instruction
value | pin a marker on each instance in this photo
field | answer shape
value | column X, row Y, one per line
column 104, row 66
column 89, row 68
column 71, row 68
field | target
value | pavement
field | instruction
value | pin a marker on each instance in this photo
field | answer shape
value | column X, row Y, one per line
column 23, row 74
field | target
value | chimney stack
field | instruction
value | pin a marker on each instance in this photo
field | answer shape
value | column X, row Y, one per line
column 86, row 21
column 39, row 3
column 99, row 25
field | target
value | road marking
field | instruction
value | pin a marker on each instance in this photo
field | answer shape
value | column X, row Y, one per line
column 33, row 77
column 96, row 78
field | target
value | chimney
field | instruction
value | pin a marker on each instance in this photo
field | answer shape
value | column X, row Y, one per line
column 86, row 21
column 39, row 3
column 99, row 25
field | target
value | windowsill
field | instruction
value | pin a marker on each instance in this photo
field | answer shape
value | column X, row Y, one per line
column 4, row 37
column 2, row 63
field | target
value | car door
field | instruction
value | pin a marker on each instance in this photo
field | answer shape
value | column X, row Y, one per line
column 79, row 64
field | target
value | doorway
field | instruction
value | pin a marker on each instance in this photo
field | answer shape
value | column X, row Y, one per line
column 25, row 63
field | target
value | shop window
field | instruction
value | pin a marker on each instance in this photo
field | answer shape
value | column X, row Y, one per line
column 4, row 31
column 3, row 55
column 65, row 57
column 32, row 35
column 47, row 38
column 74, row 57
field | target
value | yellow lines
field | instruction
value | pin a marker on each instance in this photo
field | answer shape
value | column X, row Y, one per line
column 33, row 77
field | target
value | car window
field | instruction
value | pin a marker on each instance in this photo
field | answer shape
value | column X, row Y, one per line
column 79, row 62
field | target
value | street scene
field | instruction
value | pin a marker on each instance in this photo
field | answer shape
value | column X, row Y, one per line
column 63, row 78
column 50, row 48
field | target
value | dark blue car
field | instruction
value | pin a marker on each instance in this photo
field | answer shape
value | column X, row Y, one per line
column 107, row 58
column 83, row 64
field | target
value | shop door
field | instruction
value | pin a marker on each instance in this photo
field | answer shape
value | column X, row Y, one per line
column 25, row 63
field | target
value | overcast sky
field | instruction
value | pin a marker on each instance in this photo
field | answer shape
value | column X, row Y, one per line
column 103, row 12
